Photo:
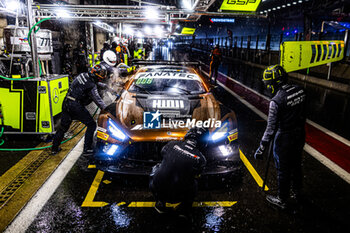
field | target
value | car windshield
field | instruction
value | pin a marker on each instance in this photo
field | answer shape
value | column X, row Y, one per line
column 167, row 85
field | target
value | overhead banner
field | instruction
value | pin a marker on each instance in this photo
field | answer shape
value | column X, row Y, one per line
column 240, row 5
column 188, row 31
column 297, row 55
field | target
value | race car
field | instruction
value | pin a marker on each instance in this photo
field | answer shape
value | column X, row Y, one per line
column 159, row 104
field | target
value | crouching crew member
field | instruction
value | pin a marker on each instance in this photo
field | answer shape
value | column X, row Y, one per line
column 286, row 127
column 175, row 178
column 82, row 92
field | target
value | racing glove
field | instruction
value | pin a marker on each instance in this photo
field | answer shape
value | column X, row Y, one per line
column 259, row 154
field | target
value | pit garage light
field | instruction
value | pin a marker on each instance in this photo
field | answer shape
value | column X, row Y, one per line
column 187, row 4
column 284, row 6
column 288, row 4
column 158, row 30
column 115, row 131
column 222, row 20
column 62, row 13
column 139, row 34
column 128, row 30
column 147, row 30
column 151, row 13
column 13, row 5
column 294, row 3
column 300, row 1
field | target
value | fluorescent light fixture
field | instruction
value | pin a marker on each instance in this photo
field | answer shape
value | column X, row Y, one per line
column 300, row 1
column 151, row 13
column 269, row 10
column 62, row 13
column 288, row 4
column 13, row 5
column 278, row 7
column 294, row 3
column 112, row 150
column 283, row 6
column 274, row 8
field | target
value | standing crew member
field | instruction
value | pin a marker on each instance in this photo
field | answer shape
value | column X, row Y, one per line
column 104, row 49
column 80, row 58
column 174, row 179
column 286, row 126
column 215, row 63
column 82, row 92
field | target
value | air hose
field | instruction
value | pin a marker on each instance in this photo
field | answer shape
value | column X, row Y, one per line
column 29, row 42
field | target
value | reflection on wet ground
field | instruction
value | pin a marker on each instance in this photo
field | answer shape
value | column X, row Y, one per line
column 325, row 208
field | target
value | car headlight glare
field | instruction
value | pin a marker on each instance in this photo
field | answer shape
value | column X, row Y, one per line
column 220, row 133
column 112, row 149
column 115, row 131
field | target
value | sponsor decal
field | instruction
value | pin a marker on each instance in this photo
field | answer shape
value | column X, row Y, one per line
column 168, row 104
column 240, row 5
column 147, row 77
column 102, row 135
column 232, row 137
column 101, row 129
column 151, row 120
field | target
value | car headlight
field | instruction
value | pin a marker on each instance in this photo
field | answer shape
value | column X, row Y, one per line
column 115, row 131
column 110, row 149
column 220, row 133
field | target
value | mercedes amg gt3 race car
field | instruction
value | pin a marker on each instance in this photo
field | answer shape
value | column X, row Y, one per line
column 160, row 104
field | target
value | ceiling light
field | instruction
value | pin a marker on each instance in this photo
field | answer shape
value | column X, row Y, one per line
column 187, row 4
column 62, row 13
column 274, row 8
column 13, row 5
column 283, row 6
column 151, row 13
column 300, row 1
column 269, row 10
column 278, row 7
column 288, row 4
column 139, row 34
column 294, row 3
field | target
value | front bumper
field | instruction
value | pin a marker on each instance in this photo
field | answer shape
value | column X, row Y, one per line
column 139, row 158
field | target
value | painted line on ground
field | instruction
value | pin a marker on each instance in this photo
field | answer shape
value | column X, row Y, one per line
column 146, row 204
column 310, row 150
column 252, row 171
column 27, row 215
column 89, row 199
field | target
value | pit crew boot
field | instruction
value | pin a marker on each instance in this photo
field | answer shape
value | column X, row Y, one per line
column 276, row 201
column 54, row 151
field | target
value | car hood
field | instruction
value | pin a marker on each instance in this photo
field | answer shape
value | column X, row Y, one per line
column 130, row 110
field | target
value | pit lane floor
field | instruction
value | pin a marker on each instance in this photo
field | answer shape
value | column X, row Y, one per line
column 88, row 200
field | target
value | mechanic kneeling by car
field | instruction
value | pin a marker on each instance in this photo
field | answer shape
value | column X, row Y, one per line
column 82, row 92
column 175, row 178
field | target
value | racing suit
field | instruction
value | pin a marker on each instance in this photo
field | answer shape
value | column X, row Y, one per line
column 215, row 63
column 286, row 126
column 174, row 179
column 82, row 92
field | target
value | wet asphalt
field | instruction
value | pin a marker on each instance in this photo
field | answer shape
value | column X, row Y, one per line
column 325, row 207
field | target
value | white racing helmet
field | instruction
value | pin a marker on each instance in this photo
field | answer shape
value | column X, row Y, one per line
column 110, row 58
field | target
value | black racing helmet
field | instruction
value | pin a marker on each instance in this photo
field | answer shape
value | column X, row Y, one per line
column 197, row 134
column 273, row 76
column 100, row 72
